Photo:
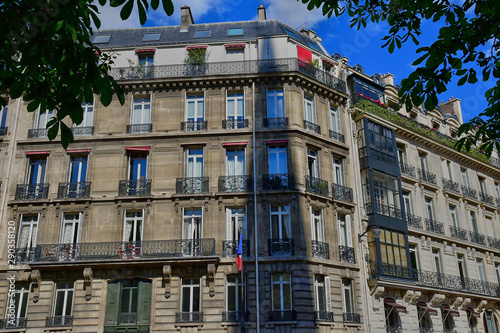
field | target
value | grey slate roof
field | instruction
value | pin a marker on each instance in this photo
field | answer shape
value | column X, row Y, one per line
column 172, row 35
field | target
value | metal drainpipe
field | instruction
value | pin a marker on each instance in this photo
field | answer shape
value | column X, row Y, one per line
column 255, row 224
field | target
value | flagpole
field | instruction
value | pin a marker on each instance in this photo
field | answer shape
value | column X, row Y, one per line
column 255, row 230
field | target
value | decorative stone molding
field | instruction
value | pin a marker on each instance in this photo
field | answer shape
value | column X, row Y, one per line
column 481, row 305
column 408, row 295
column 457, row 302
column 88, row 277
column 167, row 276
column 211, row 279
column 437, row 299
column 445, row 246
column 36, row 279
column 465, row 303
column 377, row 291
column 416, row 297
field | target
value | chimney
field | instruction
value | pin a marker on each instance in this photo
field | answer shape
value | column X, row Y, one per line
column 261, row 13
column 311, row 34
column 453, row 107
column 186, row 18
column 388, row 79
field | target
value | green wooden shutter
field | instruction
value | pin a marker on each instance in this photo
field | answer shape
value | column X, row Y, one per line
column 112, row 303
column 143, row 317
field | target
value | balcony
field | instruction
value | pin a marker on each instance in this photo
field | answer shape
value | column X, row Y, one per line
column 374, row 208
column 276, row 122
column 427, row 176
column 380, row 269
column 394, row 329
column 74, row 190
column 139, row 128
column 13, row 323
column 283, row 181
column 191, row 185
column 83, row 130
column 189, row 317
column 349, row 317
column 407, row 169
column 58, row 321
column 234, row 123
column 434, row 226
column 414, row 221
column 458, row 233
column 181, row 248
column 231, row 184
column 234, row 316
column 494, row 242
column 282, row 315
column 451, row 186
column 198, row 125
column 3, row 132
column 346, row 254
column 32, row 191
column 337, row 137
column 230, row 248
column 134, row 188
column 477, row 238
column 486, row 198
column 317, row 186
column 281, row 247
column 342, row 193
column 230, row 68
column 312, row 127
column 323, row 316
column 469, row 192
column 320, row 249
column 378, row 155
column 35, row 133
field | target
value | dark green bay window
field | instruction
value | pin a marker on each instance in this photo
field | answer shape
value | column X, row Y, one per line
column 128, row 306
column 389, row 254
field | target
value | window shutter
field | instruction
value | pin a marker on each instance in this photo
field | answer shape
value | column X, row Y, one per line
column 348, row 230
column 112, row 303
column 328, row 294
column 144, row 309
column 339, row 230
column 303, row 54
column 228, row 224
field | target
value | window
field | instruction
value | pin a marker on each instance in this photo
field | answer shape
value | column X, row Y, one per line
column 422, row 158
column 146, row 59
column 88, row 116
column 129, row 293
column 465, row 179
column 393, row 252
column 195, row 114
column 275, row 103
column 317, row 226
column 190, row 295
column 447, row 170
column 235, row 32
column 202, row 34
column 28, row 233
column 462, row 269
column 497, row 272
column 309, row 109
column 414, row 261
column 480, row 270
column 16, row 316
column 368, row 91
column 138, row 161
column 280, row 222
column 290, row 33
column 338, row 171
column 424, row 318
column 491, row 324
column 235, row 110
column 314, row 46
column 141, row 110
column 335, row 120
column 37, row 167
column 386, row 192
column 192, row 228
column 235, row 223
column 472, row 320
column 102, row 39
column 277, row 161
column 63, row 304
column 482, row 185
column 282, row 292
column 407, row 202
column 235, row 162
column 312, row 163
column 134, row 221
column 151, row 36
column 3, row 117
column 402, row 153
column 348, row 303
column 429, row 209
column 235, row 294
column 344, row 230
column 70, row 235
column 235, row 53
column 41, row 119
column 78, row 168
column 392, row 318
column 194, row 162
column 380, row 138
column 436, row 261
column 322, row 295
column 473, row 221
column 453, row 216
column 497, row 191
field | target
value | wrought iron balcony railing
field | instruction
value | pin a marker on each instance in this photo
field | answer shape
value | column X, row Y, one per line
column 349, row 317
column 374, row 208
column 32, row 191
column 320, row 249
column 379, row 269
column 198, row 125
column 74, row 190
column 486, row 198
column 477, row 238
column 3, row 131
column 458, row 233
column 230, row 248
column 234, row 316
column 312, row 127
column 13, row 323
column 175, row 248
column 494, row 242
column 498, row 201
column 191, row 185
column 434, row 226
column 235, row 183
column 428, row 330
column 495, row 162
column 427, row 176
column 57, row 321
column 378, row 155
column 282, row 315
column 230, row 68
column 335, row 136
column 469, row 192
column 346, row 254
column 139, row 128
column 342, row 193
column 189, row 317
column 393, row 329
column 127, row 318
column 450, row 185
column 234, row 123
column 283, row 181
column 134, row 187
column 276, row 122
column 323, row 316
column 83, row 130
column 34, row 133
column 414, row 221
column 407, row 169
column 281, row 247
column 316, row 185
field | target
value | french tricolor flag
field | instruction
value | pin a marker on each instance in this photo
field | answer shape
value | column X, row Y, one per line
column 240, row 251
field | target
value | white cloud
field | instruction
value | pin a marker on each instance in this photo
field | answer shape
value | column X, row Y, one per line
column 110, row 18
column 294, row 13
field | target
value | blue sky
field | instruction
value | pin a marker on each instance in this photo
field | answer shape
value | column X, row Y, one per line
column 360, row 47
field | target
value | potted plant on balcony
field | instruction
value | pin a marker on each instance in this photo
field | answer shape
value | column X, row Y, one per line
column 196, row 61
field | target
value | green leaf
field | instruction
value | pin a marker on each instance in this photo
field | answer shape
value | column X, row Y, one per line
column 66, row 135
column 33, row 105
column 155, row 4
column 391, row 46
column 127, row 10
column 53, row 130
column 168, row 7
column 106, row 94
column 142, row 13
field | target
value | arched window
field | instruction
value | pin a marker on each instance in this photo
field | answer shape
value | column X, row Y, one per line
column 447, row 316
column 392, row 319
column 424, row 320
column 472, row 319
column 490, row 322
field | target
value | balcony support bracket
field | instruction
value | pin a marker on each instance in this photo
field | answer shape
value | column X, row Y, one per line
column 457, row 302
column 211, row 279
column 88, row 278
column 437, row 299
column 36, row 279
column 167, row 275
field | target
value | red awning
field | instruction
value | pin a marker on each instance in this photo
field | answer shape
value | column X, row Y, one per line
column 145, row 50
column 225, row 144
column 235, row 46
column 273, row 142
column 74, row 151
column 39, row 152
column 474, row 313
column 138, row 148
column 303, row 54
column 430, row 311
column 328, row 62
column 196, row 47
column 397, row 307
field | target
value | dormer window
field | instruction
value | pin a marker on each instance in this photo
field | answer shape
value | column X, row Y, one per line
column 290, row 33
column 202, row 34
column 151, row 36
column 314, row 46
column 235, row 32
column 102, row 39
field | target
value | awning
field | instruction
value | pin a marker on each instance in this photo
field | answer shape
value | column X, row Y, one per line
column 74, row 151
column 196, row 47
column 225, row 144
column 397, row 307
column 235, row 46
column 328, row 61
column 303, row 54
column 138, row 148
column 453, row 313
column 430, row 311
column 273, row 142
column 474, row 313
column 145, row 50
column 38, row 152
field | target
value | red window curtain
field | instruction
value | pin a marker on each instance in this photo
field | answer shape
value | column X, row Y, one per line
column 303, row 54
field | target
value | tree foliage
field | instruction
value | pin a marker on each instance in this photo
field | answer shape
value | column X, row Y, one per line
column 47, row 56
column 467, row 28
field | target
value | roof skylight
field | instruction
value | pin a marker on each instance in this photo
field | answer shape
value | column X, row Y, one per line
column 290, row 33
column 314, row 46
column 202, row 34
column 103, row 39
column 235, row 32
column 151, row 36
